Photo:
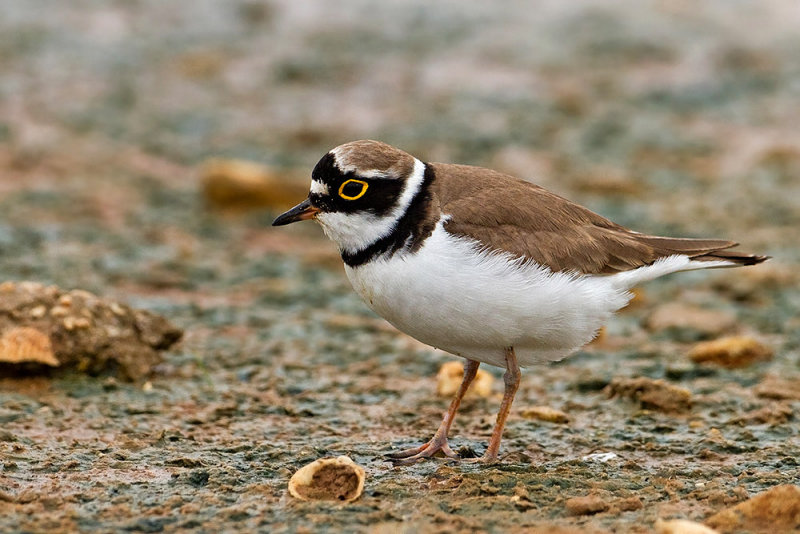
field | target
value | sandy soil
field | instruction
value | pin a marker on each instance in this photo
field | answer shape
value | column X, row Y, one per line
column 671, row 118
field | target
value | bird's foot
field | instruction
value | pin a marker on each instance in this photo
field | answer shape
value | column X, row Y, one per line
column 415, row 454
column 483, row 460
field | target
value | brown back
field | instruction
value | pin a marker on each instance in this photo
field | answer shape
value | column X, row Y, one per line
column 515, row 216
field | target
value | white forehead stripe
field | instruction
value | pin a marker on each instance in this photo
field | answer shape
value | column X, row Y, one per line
column 356, row 231
column 319, row 188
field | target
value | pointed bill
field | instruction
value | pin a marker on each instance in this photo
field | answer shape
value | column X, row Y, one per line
column 301, row 212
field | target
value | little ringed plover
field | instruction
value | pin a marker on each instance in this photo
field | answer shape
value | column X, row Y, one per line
column 483, row 265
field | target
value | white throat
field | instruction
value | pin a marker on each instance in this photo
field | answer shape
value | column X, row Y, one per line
column 354, row 232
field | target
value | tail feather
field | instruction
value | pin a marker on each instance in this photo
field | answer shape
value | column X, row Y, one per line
column 734, row 257
column 704, row 250
column 684, row 254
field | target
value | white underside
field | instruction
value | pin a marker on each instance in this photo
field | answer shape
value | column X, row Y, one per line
column 452, row 295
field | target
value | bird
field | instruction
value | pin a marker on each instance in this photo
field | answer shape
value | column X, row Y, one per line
column 483, row 265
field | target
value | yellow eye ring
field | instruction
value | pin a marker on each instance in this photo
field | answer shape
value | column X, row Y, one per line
column 364, row 186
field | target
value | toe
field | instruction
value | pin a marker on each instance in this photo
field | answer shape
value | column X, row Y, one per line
column 407, row 453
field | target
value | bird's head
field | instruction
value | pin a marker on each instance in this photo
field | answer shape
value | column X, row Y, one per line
column 359, row 191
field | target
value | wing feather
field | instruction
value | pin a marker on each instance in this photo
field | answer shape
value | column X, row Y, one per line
column 512, row 215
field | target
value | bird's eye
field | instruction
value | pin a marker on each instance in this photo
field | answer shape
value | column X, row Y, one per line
column 353, row 189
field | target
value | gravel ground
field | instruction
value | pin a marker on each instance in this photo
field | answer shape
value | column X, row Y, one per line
column 672, row 118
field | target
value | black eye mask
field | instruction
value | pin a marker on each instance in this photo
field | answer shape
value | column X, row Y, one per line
column 351, row 193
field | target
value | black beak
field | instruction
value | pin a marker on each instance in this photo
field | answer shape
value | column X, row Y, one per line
column 301, row 212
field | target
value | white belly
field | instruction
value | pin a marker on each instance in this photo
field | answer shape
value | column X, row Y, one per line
column 474, row 304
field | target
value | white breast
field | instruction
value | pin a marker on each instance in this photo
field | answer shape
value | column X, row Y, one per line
column 453, row 296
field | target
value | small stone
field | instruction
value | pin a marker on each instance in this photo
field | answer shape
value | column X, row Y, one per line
column 731, row 352
column 328, row 479
column 778, row 388
column 587, row 505
column 773, row 414
column 652, row 394
column 775, row 510
column 601, row 457
column 681, row 526
column 59, row 311
column 38, row 312
column 230, row 183
column 545, row 413
column 629, row 504
column 73, row 323
column 449, row 377
column 25, row 344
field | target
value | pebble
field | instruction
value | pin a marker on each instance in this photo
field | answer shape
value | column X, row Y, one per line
column 545, row 413
column 773, row 387
column 601, row 457
column 681, row 526
column 629, row 504
column 731, row 352
column 26, row 344
column 652, row 394
column 449, row 378
column 773, row 414
column 775, row 510
column 587, row 505
column 231, row 183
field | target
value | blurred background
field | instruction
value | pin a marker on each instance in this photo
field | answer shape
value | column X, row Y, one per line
column 130, row 128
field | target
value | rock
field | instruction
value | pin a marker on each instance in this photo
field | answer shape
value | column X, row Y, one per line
column 449, row 378
column 24, row 344
column 652, row 394
column 629, row 504
column 545, row 413
column 773, row 414
column 683, row 319
column 778, row 388
column 775, row 510
column 75, row 329
column 681, row 526
column 587, row 505
column 731, row 352
column 229, row 183
column 601, row 457
column 328, row 479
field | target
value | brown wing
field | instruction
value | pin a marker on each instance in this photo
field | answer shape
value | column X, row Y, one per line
column 509, row 214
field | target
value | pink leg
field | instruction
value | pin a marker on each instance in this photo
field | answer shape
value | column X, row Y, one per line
column 511, row 379
column 439, row 440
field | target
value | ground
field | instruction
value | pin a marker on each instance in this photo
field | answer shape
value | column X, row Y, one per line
column 671, row 118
